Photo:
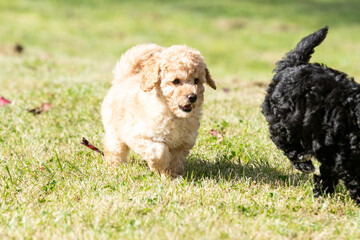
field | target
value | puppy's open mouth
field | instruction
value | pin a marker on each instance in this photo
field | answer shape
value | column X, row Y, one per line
column 186, row 108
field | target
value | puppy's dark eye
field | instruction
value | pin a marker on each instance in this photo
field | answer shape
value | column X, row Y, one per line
column 196, row 81
column 176, row 81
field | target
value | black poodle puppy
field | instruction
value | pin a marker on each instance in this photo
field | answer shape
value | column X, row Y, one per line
column 314, row 112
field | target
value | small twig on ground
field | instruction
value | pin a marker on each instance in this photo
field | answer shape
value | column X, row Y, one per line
column 43, row 108
column 89, row 145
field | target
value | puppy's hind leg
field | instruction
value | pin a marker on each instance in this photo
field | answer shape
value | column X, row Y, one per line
column 115, row 150
column 326, row 182
column 349, row 173
column 353, row 186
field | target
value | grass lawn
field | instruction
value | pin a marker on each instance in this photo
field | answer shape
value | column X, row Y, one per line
column 52, row 187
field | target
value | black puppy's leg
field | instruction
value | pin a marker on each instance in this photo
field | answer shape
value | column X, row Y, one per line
column 352, row 185
column 305, row 167
column 349, row 173
column 326, row 182
column 301, row 161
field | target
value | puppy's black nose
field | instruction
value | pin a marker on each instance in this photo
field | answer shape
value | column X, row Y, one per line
column 192, row 97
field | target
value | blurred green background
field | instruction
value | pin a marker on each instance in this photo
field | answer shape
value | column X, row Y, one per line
column 241, row 38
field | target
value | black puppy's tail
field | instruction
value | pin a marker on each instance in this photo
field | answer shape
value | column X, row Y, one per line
column 302, row 53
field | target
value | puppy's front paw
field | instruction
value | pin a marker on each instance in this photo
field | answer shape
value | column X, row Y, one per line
column 113, row 160
column 305, row 167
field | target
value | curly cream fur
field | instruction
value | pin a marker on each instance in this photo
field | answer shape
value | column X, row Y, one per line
column 143, row 109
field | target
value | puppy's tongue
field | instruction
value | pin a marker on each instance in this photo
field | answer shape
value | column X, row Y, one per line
column 187, row 107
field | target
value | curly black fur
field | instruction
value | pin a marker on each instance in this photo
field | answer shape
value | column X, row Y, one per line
column 314, row 111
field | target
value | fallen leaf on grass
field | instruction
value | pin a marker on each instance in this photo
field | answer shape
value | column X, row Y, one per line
column 226, row 90
column 89, row 145
column 217, row 134
column 4, row 101
column 45, row 107
column 18, row 48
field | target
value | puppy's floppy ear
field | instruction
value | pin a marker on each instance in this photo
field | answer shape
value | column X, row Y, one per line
column 209, row 80
column 150, row 75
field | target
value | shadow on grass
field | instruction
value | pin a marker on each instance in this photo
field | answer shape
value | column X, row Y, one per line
column 227, row 170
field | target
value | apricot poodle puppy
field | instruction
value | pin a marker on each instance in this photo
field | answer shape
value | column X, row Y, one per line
column 154, row 106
